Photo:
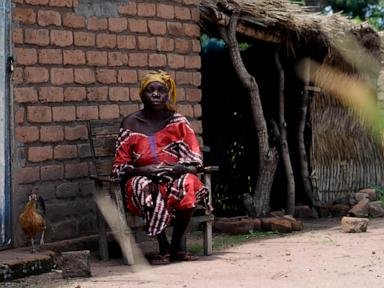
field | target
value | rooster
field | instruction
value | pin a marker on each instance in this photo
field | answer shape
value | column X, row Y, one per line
column 31, row 221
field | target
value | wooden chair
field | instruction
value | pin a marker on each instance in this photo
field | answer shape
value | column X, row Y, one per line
column 102, row 137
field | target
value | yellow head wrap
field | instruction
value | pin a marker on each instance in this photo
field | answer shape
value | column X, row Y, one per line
column 165, row 78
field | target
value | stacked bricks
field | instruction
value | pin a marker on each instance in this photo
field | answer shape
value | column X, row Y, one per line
column 69, row 69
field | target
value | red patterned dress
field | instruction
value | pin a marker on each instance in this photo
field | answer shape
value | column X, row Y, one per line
column 175, row 143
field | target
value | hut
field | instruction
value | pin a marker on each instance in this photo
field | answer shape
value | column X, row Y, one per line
column 343, row 156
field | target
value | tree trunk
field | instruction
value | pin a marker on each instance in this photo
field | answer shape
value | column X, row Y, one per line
column 304, row 165
column 283, row 140
column 267, row 156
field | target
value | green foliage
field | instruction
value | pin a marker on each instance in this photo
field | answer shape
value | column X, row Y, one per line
column 359, row 10
column 379, row 191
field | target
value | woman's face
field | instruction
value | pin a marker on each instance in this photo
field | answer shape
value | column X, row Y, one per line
column 155, row 96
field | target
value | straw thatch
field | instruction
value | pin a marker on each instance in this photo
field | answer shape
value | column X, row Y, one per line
column 344, row 157
column 282, row 21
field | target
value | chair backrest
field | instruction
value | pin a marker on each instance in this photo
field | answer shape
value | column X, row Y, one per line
column 102, row 137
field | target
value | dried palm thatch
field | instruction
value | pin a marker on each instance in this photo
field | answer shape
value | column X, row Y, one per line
column 282, row 21
column 344, row 157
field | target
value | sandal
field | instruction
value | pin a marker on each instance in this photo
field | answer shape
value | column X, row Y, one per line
column 184, row 256
column 161, row 259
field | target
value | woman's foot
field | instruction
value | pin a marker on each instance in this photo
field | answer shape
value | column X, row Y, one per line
column 161, row 259
column 183, row 256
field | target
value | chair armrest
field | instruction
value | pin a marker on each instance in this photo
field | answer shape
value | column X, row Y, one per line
column 210, row 169
column 104, row 179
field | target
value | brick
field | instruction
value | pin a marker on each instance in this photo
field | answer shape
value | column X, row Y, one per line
column 36, row 2
column 97, row 93
column 119, row 93
column 138, row 59
column 105, row 40
column 126, row 42
column 74, row 57
column 138, row 25
column 182, row 13
column 193, row 62
column 17, row 36
column 48, row 17
column 196, row 78
column 117, row 25
column 52, row 172
column 106, row 76
column 76, row 170
column 40, row 154
column 28, row 175
column 79, row 132
column 191, row 30
column 87, row 112
column 27, row 134
column 146, row 9
column 181, row 94
column 109, row 111
column 175, row 61
column 183, row 46
column 84, row 150
column 61, row 3
column 128, row 9
column 117, row 59
column 195, row 14
column 39, row 114
column 97, row 24
column 185, row 109
column 128, row 109
column 193, row 94
column 197, row 111
column 38, row 37
column 25, row 94
column 184, row 78
column 24, row 15
column 60, row 76
column 50, row 56
column 127, row 76
column 146, row 43
column 97, row 58
column 19, row 115
column 18, row 75
column 165, row 11
column 74, row 94
column 65, row 151
column 64, row 113
column 51, row 134
column 157, row 27
column 36, row 75
column 175, row 29
column 73, row 20
column 196, row 45
column 51, row 94
column 134, row 94
column 84, row 76
column 84, row 39
column 165, row 44
column 61, row 38
column 197, row 127
column 157, row 60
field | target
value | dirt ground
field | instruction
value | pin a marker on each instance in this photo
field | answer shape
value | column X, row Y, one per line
column 321, row 256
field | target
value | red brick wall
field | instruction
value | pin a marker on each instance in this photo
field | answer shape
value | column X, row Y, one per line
column 69, row 69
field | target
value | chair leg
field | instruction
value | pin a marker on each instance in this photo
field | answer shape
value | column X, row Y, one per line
column 103, row 242
column 207, row 230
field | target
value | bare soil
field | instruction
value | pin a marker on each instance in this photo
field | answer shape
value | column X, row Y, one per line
column 320, row 256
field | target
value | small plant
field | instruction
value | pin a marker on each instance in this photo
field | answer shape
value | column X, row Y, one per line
column 379, row 191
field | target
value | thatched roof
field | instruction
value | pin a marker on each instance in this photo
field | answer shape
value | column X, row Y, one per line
column 282, row 21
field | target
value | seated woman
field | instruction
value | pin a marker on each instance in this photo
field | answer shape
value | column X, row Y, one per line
column 157, row 156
